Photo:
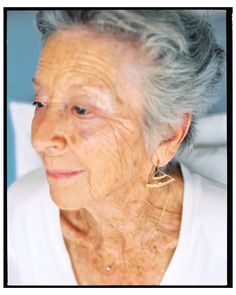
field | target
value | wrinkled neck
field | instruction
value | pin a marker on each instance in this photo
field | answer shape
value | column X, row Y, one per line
column 127, row 214
column 117, row 214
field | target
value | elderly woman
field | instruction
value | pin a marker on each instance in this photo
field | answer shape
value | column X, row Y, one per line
column 117, row 94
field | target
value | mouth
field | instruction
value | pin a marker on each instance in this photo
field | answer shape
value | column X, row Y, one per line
column 63, row 174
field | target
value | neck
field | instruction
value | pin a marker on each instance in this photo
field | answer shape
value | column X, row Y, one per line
column 120, row 214
column 126, row 217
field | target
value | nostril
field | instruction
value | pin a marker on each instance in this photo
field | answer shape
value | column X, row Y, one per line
column 59, row 142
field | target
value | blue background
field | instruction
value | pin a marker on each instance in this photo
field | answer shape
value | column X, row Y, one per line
column 23, row 48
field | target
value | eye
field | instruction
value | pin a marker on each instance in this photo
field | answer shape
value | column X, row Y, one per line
column 39, row 104
column 80, row 111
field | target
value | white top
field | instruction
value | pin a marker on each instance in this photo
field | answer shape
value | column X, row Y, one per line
column 37, row 254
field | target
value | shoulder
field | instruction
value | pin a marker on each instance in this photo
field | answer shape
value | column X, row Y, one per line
column 208, row 207
column 212, row 196
column 205, row 190
column 32, row 225
column 213, row 209
column 29, row 207
column 27, row 190
column 205, row 229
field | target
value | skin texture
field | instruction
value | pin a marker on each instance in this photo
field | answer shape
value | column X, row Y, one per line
column 108, row 216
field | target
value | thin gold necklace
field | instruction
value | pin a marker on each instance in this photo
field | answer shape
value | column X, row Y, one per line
column 109, row 268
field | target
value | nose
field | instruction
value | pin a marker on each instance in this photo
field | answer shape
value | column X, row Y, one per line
column 49, row 134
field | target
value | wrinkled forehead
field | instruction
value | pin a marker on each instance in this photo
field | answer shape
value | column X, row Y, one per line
column 95, row 60
column 83, row 50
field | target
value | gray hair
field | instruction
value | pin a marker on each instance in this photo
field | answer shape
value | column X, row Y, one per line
column 187, row 63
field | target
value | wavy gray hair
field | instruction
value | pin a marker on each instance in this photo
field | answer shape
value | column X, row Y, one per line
column 187, row 63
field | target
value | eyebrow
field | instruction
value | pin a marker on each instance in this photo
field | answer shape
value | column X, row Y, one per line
column 117, row 98
column 110, row 94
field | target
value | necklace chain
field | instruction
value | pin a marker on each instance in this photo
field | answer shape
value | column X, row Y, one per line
column 156, row 229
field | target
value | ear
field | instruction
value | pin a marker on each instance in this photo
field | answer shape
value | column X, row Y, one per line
column 167, row 148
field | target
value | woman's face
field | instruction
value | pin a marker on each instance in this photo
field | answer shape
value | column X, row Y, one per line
column 86, row 126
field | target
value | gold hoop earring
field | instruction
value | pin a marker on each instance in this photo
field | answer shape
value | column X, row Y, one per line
column 159, row 179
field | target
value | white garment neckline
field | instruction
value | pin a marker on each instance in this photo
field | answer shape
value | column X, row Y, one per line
column 180, row 249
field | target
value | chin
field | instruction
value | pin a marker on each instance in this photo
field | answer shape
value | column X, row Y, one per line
column 66, row 200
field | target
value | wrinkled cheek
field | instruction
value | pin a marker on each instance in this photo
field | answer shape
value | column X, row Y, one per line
column 102, row 158
column 110, row 154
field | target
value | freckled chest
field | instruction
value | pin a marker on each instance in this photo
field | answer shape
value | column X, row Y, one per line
column 147, row 266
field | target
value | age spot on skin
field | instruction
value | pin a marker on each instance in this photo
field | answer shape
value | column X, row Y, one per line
column 85, row 134
column 73, row 139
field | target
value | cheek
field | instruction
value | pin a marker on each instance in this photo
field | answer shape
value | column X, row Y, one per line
column 110, row 154
column 100, row 149
column 102, row 154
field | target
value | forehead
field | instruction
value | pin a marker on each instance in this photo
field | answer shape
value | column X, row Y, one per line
column 80, row 56
column 82, row 50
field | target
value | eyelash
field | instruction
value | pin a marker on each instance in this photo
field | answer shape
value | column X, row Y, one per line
column 75, row 108
column 39, row 104
column 85, row 112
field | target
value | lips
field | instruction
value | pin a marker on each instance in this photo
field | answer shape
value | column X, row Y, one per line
column 63, row 174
